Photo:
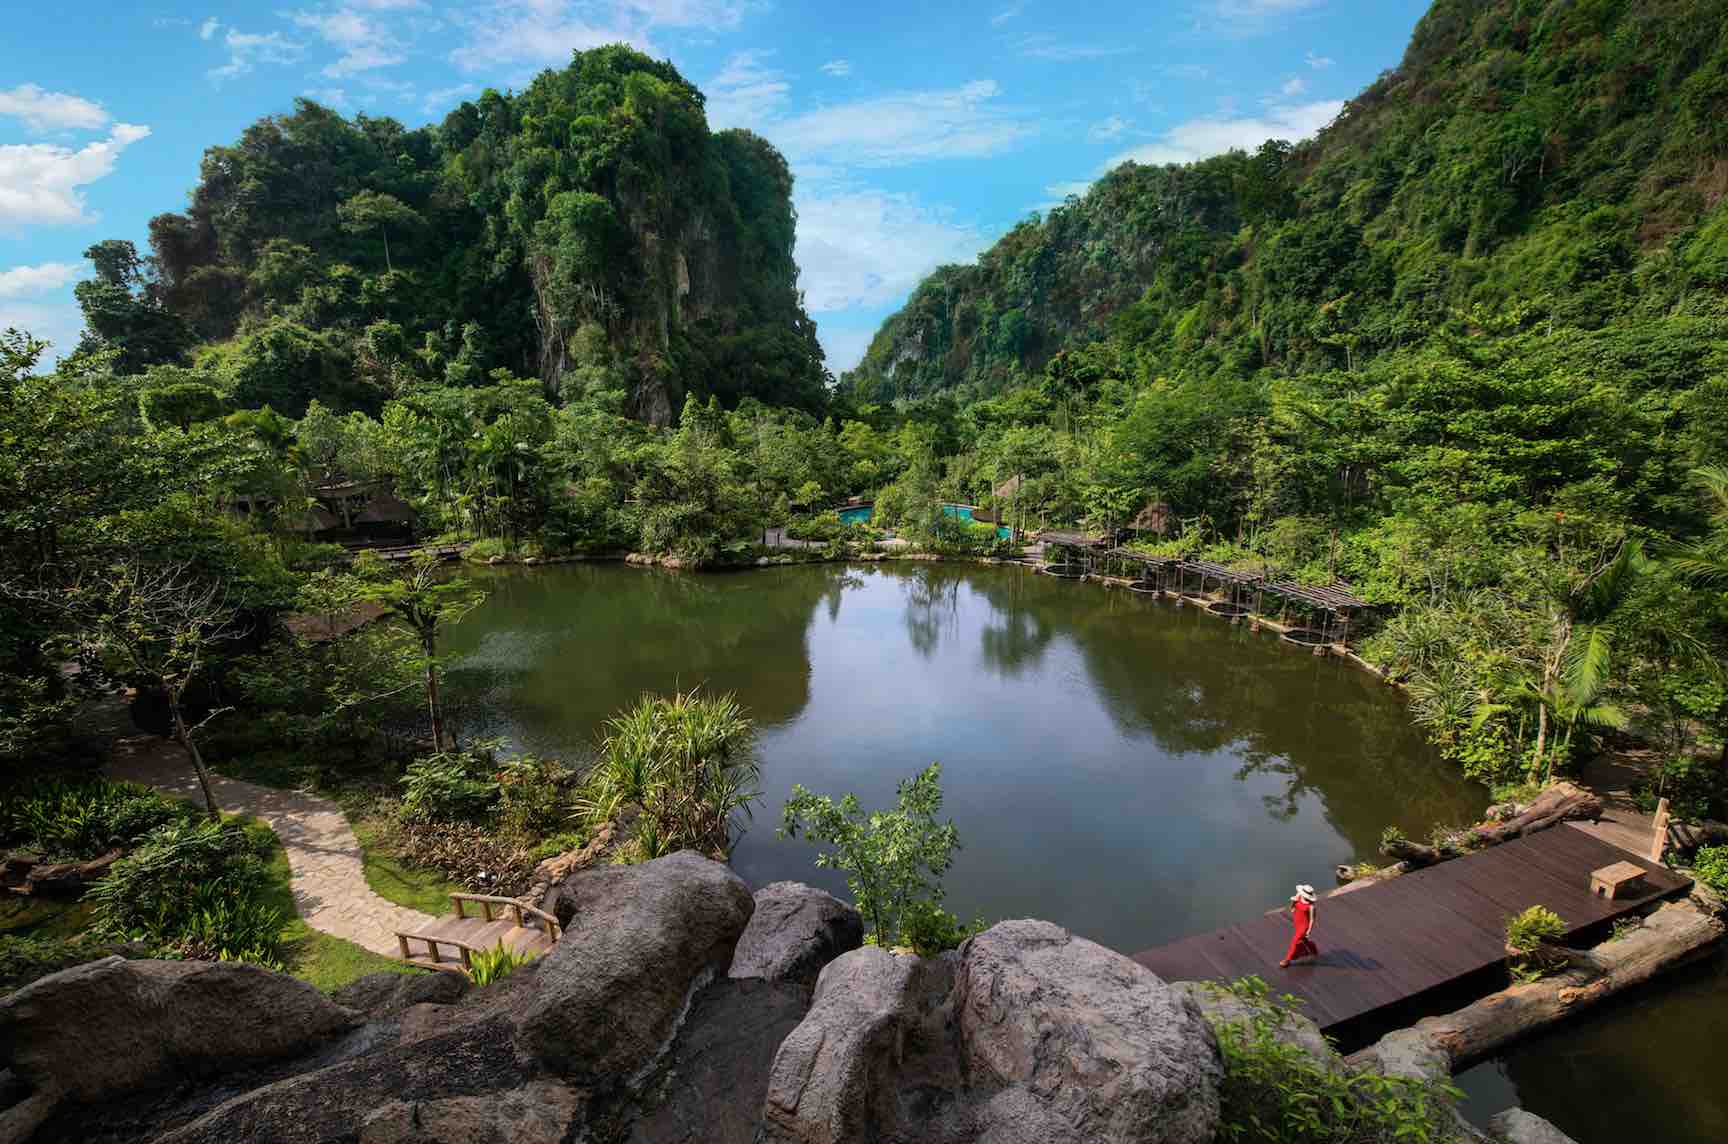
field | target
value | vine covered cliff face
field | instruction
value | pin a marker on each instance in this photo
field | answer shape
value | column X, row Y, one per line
column 1526, row 162
column 589, row 230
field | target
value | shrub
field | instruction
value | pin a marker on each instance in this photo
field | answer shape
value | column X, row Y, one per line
column 560, row 843
column 83, row 818
column 451, row 786
column 1276, row 1093
column 1695, row 789
column 1526, row 932
column 686, row 764
column 929, row 929
column 894, row 860
column 197, row 888
column 532, row 793
column 490, row 966
column 1711, row 866
column 469, row 855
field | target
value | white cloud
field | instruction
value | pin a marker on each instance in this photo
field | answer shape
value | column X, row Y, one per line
column 329, row 96
column 1294, row 86
column 246, row 50
column 1212, row 135
column 364, row 42
column 1005, row 15
column 1043, row 48
column 1107, row 129
column 902, row 127
column 51, row 110
column 1318, row 63
column 207, row 29
column 746, row 93
column 1249, row 17
column 21, row 281
column 1060, row 191
column 59, row 324
column 838, row 68
column 445, row 98
column 538, row 32
column 866, row 247
column 39, row 182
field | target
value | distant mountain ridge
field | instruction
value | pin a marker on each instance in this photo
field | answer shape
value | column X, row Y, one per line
column 1562, row 160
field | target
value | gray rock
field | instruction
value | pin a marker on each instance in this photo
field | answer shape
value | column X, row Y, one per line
column 716, row 1075
column 390, row 994
column 1520, row 1127
column 1220, row 1007
column 795, row 931
column 844, row 1075
column 537, row 1113
column 1028, row 1034
column 115, row 1026
column 640, row 941
column 1093, row 1046
column 1406, row 1053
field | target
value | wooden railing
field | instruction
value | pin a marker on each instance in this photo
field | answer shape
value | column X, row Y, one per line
column 516, row 908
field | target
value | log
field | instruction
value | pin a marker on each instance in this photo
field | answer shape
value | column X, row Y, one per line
column 1562, row 802
column 1414, row 855
column 1671, row 936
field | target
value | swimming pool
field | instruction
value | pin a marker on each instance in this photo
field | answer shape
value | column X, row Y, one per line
column 860, row 514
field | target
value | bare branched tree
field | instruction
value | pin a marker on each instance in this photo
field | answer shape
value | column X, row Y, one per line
column 154, row 624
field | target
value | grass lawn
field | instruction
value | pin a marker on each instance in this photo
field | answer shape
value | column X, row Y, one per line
column 327, row 962
column 391, row 879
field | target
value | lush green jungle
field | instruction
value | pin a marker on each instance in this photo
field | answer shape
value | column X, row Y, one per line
column 1466, row 350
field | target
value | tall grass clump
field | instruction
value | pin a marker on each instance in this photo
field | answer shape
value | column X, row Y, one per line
column 676, row 769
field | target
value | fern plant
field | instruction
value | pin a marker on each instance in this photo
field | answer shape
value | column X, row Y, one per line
column 489, row 966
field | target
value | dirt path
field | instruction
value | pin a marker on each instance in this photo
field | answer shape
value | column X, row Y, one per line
column 324, row 859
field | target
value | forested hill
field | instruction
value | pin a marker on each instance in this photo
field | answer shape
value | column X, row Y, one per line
column 1529, row 164
column 589, row 231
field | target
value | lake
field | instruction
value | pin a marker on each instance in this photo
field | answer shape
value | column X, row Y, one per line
column 1129, row 769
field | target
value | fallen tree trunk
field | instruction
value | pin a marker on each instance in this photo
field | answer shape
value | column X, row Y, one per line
column 1435, row 1047
column 1562, row 802
column 1414, row 855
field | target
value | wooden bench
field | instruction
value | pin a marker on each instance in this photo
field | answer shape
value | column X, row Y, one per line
column 1620, row 880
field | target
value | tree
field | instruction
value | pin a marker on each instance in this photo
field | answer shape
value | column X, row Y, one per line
column 155, row 626
column 123, row 310
column 894, row 860
column 421, row 601
column 370, row 211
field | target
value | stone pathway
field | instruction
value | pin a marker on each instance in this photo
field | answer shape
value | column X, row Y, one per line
column 329, row 884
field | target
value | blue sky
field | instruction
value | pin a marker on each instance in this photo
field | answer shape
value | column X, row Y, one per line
column 918, row 133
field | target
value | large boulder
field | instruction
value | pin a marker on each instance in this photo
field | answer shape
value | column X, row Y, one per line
column 115, row 1026
column 1027, row 1034
column 392, row 994
column 795, row 931
column 1517, row 1126
column 716, row 1074
column 639, row 942
column 540, row 1112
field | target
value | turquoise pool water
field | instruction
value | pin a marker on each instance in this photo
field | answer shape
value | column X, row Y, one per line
column 860, row 514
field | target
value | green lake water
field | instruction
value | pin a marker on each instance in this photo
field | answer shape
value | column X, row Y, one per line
column 1129, row 769
column 1132, row 770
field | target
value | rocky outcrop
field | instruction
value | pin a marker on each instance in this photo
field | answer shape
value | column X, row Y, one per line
column 795, row 931
column 392, row 994
column 116, row 1026
column 1517, row 1126
column 1027, row 1033
column 537, row 1113
column 640, row 940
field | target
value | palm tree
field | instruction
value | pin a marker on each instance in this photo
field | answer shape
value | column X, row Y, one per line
column 1704, row 562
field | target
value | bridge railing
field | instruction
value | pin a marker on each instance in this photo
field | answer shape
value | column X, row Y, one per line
column 517, row 910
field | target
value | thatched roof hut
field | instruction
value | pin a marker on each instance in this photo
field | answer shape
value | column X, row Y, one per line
column 1008, row 488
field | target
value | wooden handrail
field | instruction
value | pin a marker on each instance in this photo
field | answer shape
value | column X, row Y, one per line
column 487, row 901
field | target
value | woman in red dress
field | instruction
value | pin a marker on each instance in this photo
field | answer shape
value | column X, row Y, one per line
column 1302, row 914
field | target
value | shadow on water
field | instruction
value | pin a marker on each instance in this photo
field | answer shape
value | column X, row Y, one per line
column 1132, row 770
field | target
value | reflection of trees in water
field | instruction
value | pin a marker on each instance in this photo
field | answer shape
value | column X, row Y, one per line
column 562, row 648
column 1195, row 685
column 932, row 595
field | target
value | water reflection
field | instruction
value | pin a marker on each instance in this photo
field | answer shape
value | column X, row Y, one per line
column 1131, row 770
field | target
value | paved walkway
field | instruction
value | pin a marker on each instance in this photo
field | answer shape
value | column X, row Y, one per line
column 329, row 884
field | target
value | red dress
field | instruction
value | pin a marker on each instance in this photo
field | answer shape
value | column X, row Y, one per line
column 1302, row 913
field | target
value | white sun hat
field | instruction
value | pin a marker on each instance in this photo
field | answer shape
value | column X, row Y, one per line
column 1304, row 892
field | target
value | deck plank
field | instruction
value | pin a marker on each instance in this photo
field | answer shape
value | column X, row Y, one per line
column 1390, row 944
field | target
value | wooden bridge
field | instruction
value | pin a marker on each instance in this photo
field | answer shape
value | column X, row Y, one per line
column 1388, row 947
column 450, row 943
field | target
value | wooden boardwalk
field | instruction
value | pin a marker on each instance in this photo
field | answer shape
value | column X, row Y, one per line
column 1385, row 947
column 450, row 942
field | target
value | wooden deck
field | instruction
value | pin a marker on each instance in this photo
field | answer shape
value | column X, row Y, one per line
column 449, row 942
column 1386, row 947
